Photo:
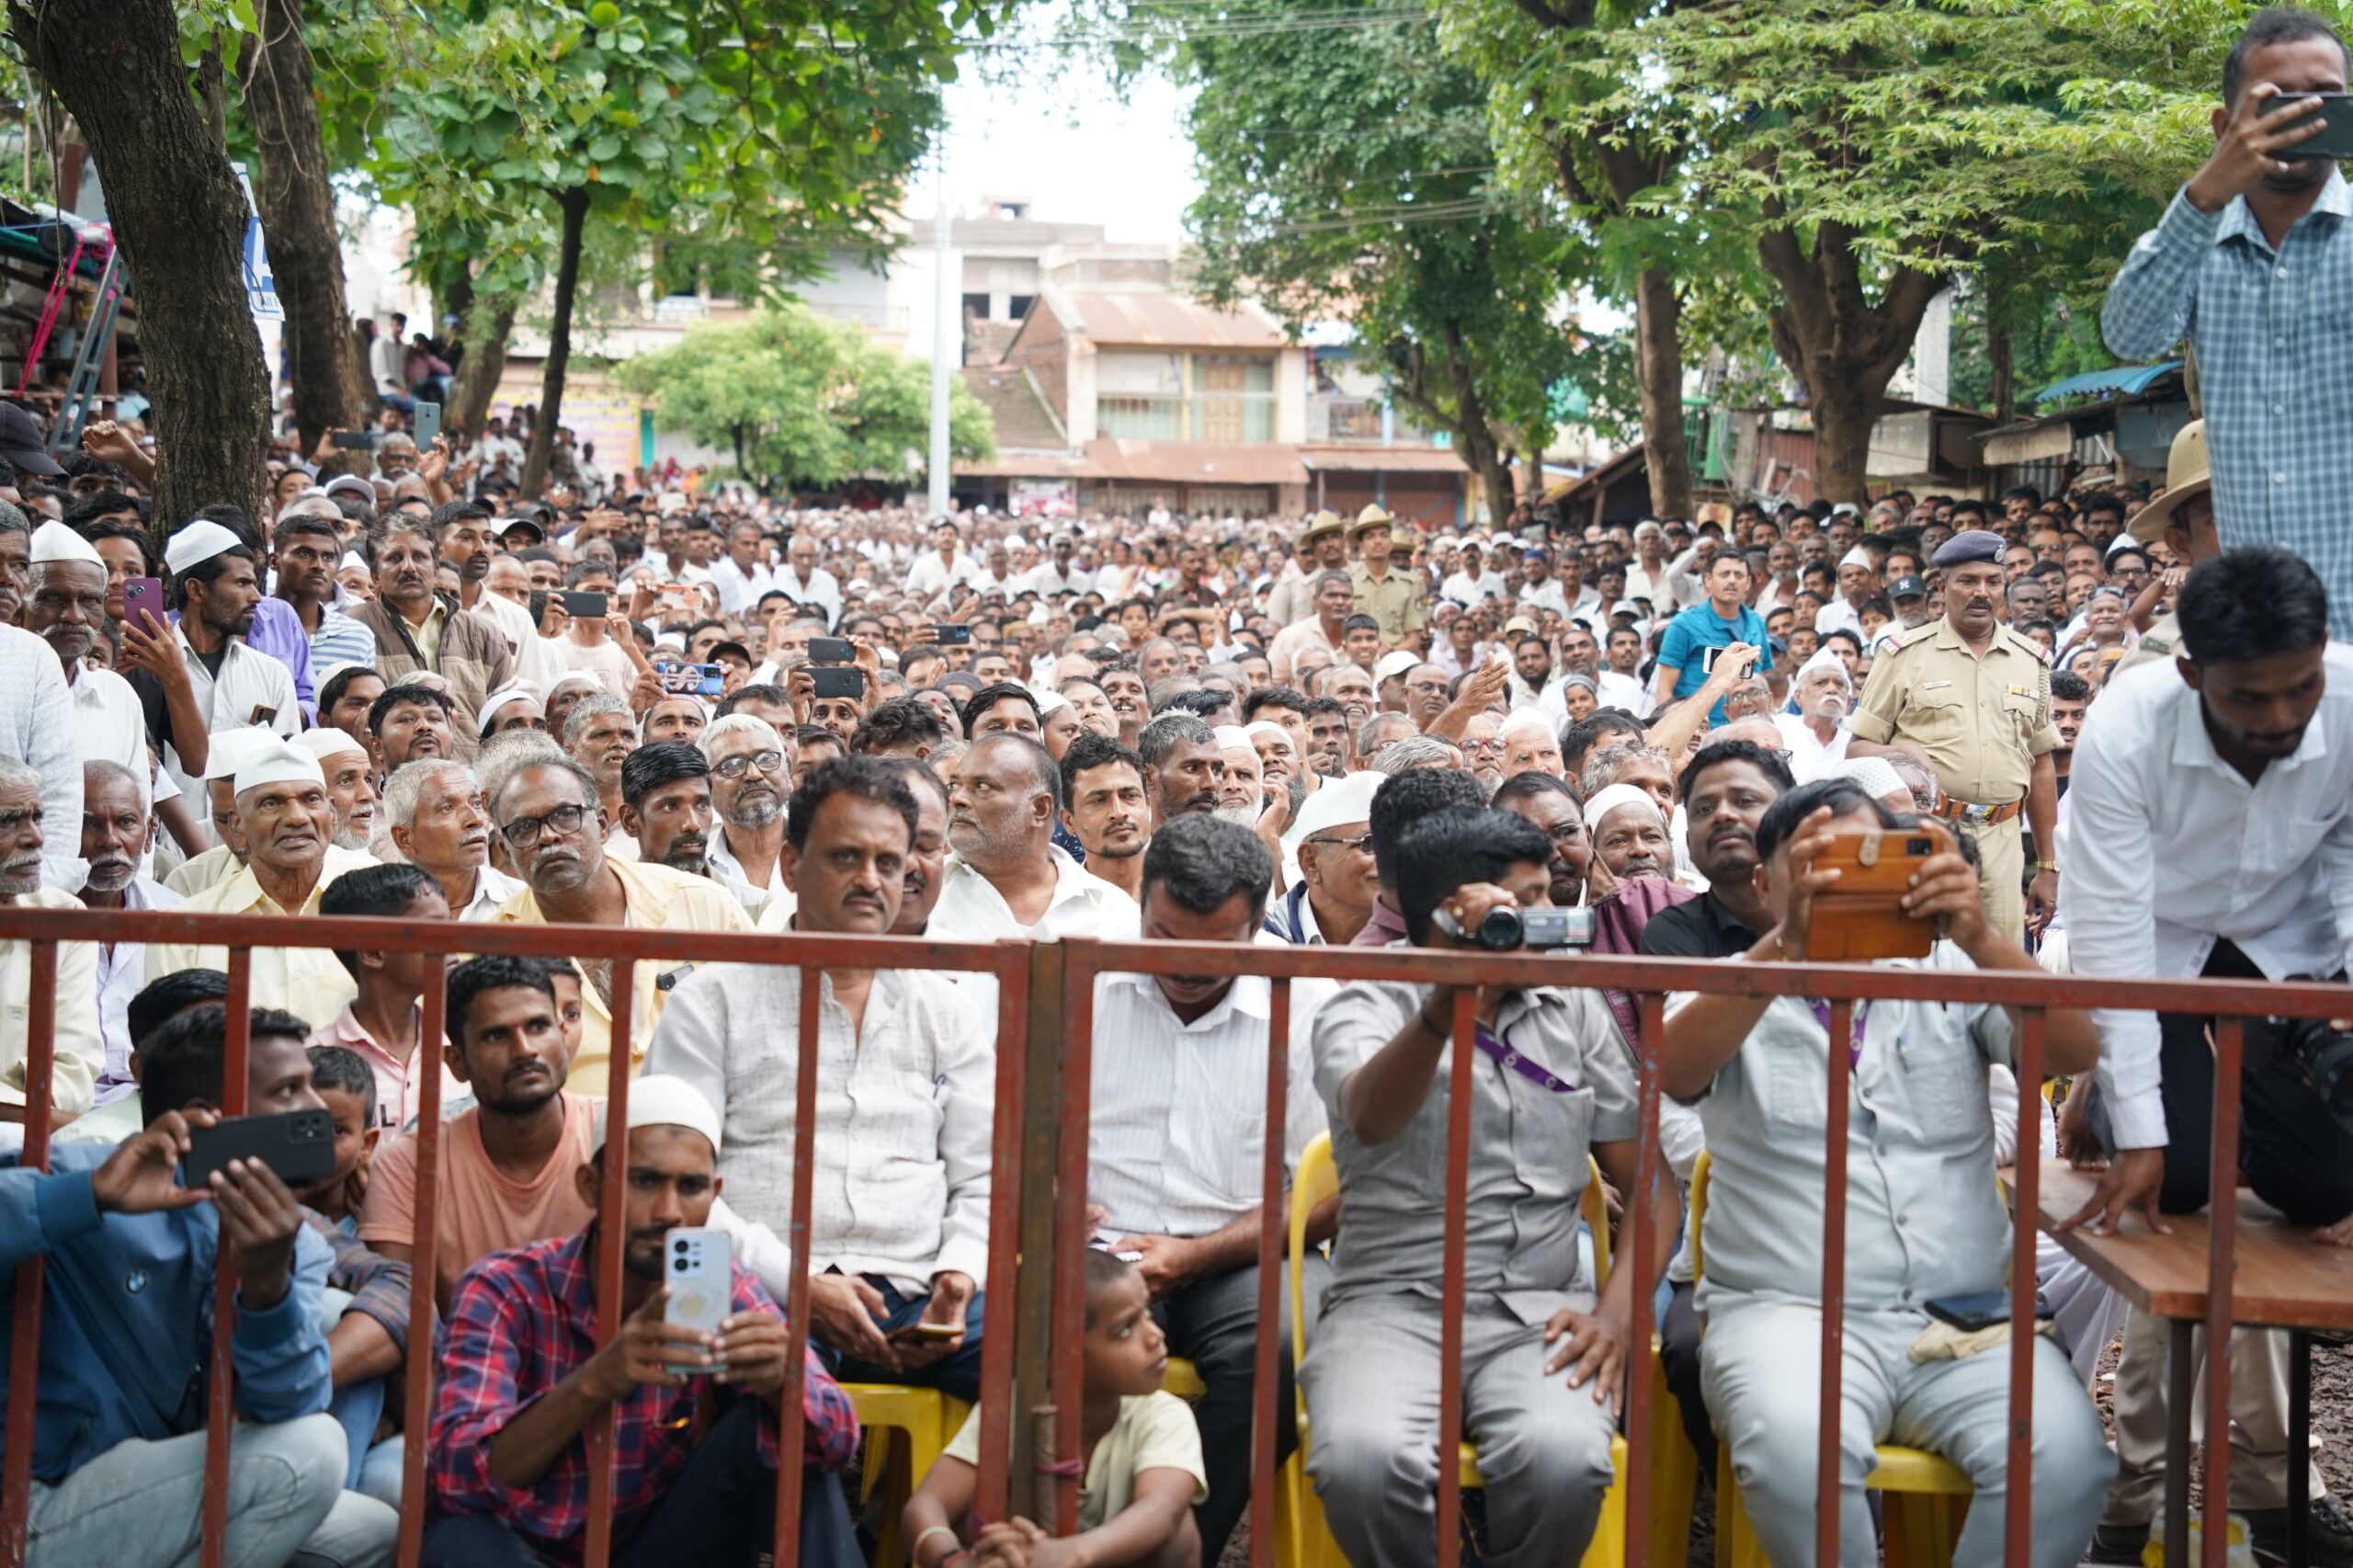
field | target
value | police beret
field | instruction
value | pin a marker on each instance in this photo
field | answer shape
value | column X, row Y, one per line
column 1971, row 545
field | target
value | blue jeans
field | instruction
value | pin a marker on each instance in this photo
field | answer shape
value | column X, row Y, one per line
column 959, row 1375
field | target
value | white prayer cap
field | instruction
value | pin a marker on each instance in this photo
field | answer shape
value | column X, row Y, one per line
column 352, row 558
column 55, row 542
column 1054, row 701
column 1825, row 659
column 498, row 699
column 1265, row 726
column 1598, row 809
column 327, row 741
column 279, row 762
column 660, row 1100
column 1859, row 556
column 197, row 544
column 1876, row 777
column 1340, row 801
column 227, row 751
column 1231, row 737
column 1394, row 664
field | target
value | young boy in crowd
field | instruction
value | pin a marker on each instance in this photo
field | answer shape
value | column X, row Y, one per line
column 1141, row 1451
column 348, row 1087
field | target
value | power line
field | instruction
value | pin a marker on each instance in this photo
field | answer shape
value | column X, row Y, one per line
column 1262, row 25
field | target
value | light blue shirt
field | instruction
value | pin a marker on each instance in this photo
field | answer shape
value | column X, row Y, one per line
column 2274, row 335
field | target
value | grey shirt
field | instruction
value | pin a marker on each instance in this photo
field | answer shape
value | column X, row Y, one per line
column 1529, row 1149
column 1924, row 1219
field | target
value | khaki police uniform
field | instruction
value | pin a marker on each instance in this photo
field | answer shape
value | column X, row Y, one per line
column 1395, row 599
column 2162, row 641
column 1981, row 720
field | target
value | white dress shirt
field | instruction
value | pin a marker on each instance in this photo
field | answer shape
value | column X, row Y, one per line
column 1083, row 904
column 37, row 728
column 1546, row 595
column 1838, row 616
column 739, row 590
column 493, row 888
column 249, row 684
column 930, row 576
column 1045, row 579
column 728, row 872
column 1809, row 758
column 904, row 1110
column 2168, row 849
column 78, row 1051
column 108, row 726
column 821, row 591
column 1470, row 592
column 121, row 975
column 1179, row 1110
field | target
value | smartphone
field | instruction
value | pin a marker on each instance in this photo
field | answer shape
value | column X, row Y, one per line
column 355, row 441
column 1979, row 1309
column 697, row 1267
column 948, row 634
column 709, row 680
column 1861, row 917
column 539, row 607
column 143, row 594
column 584, row 606
column 831, row 651
column 1708, row 661
column 428, row 425
column 299, row 1145
column 831, row 680
column 2335, row 141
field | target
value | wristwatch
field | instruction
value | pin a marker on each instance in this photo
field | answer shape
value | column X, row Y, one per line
column 2046, row 865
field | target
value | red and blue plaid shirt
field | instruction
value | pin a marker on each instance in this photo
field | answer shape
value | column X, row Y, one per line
column 521, row 1322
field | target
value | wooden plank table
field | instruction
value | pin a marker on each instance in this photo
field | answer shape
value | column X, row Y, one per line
column 2281, row 1280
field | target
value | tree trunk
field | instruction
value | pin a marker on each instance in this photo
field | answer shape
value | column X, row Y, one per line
column 1998, row 355
column 476, row 387
column 328, row 376
column 180, row 219
column 1842, row 441
column 1658, row 373
column 574, row 203
column 1481, row 452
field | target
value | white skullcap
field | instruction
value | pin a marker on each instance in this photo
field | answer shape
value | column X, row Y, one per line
column 352, row 558
column 1340, row 800
column 327, row 741
column 197, row 544
column 503, row 698
column 1394, row 664
column 337, row 668
column 660, row 1100
column 575, row 678
column 1598, row 809
column 1265, row 726
column 1052, row 702
column 1233, row 737
column 279, row 762
column 1859, row 556
column 55, row 542
column 226, row 751
column 1826, row 658
column 1877, row 778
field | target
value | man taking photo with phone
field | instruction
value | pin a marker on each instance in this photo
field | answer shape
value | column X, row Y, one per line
column 2266, row 215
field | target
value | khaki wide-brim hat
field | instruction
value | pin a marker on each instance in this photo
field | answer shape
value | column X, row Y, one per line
column 1373, row 516
column 2187, row 478
column 1322, row 525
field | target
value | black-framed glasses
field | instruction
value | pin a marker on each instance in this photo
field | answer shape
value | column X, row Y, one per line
column 736, row 767
column 524, row 833
column 1363, row 843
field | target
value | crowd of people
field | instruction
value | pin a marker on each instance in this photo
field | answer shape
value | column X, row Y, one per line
column 412, row 693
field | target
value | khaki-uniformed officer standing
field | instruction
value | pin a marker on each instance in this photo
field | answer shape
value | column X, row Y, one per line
column 1975, row 697
column 1321, row 548
column 1389, row 594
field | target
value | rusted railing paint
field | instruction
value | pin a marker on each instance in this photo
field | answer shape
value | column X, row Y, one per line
column 2221, row 1237
column 2018, row 1517
column 425, row 1238
column 220, row 1390
column 1272, row 1186
column 612, row 1235
column 1833, row 1283
column 1010, row 965
column 791, row 1431
column 1639, row 1252
column 1463, row 1046
column 24, row 1347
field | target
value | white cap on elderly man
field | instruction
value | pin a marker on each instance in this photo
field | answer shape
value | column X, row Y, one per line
column 226, row 751
column 498, row 699
column 1394, row 664
column 329, row 741
column 1341, row 800
column 198, row 543
column 660, row 1100
column 1605, row 802
column 279, row 762
column 1859, row 556
column 55, row 542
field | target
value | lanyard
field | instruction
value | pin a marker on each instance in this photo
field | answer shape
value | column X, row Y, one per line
column 1855, row 1040
column 1503, row 1054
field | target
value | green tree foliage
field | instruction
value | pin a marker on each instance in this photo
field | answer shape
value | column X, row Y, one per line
column 802, row 401
column 1348, row 177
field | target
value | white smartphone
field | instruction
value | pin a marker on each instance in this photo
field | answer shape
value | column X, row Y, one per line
column 698, row 1267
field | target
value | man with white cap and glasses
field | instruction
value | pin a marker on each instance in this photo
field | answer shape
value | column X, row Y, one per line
column 287, row 822
column 434, row 813
column 198, row 677
column 1816, row 735
column 1336, row 888
column 37, row 717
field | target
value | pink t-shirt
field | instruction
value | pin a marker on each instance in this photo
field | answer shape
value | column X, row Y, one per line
column 482, row 1211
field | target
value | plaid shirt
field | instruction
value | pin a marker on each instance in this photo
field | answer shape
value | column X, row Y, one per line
column 521, row 1321
column 2274, row 337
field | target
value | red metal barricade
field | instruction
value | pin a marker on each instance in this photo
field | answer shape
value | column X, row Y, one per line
column 1044, row 1065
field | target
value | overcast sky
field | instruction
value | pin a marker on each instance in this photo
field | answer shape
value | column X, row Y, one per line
column 1079, row 153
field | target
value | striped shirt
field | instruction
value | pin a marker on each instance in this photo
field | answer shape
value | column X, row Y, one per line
column 2273, row 330
column 338, row 641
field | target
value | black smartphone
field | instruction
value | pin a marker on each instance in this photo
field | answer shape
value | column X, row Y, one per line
column 951, row 634
column 1980, row 1309
column 2334, row 139
column 831, row 680
column 356, row 441
column 299, row 1145
column 538, row 608
column 584, row 606
column 831, row 651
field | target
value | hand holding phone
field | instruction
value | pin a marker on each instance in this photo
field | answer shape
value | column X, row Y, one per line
column 298, row 1146
column 698, row 1269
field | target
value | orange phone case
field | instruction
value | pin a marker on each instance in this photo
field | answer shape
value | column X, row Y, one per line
column 1860, row 918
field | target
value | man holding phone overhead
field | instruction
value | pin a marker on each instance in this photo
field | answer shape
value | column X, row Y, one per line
column 2252, row 264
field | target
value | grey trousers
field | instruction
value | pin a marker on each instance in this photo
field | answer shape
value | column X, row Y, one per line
column 1371, row 1379
column 1213, row 1323
column 1760, row 1366
column 2258, row 1420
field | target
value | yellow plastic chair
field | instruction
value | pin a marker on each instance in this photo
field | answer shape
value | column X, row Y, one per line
column 1929, row 1495
column 907, row 1429
column 1311, row 1542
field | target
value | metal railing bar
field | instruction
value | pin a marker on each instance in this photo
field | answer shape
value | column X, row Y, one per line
column 2018, row 1519
column 1452, row 1287
column 424, row 1262
column 2221, row 1237
column 791, row 1428
column 611, row 1237
column 1833, row 1280
column 24, row 1351
column 219, row 1402
column 1637, row 1250
column 1273, row 1229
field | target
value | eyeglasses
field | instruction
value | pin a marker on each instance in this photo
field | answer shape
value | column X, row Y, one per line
column 736, row 767
column 1363, row 843
column 1483, row 748
column 524, row 833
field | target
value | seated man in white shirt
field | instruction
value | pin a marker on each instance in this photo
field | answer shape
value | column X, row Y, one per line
column 2209, row 831
column 439, row 824
column 1174, row 1144
column 1925, row 1220
column 80, row 1052
column 1008, row 877
column 905, row 1100
column 115, row 826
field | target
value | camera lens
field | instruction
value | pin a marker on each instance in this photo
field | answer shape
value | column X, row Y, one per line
column 679, row 1247
column 1500, row 928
